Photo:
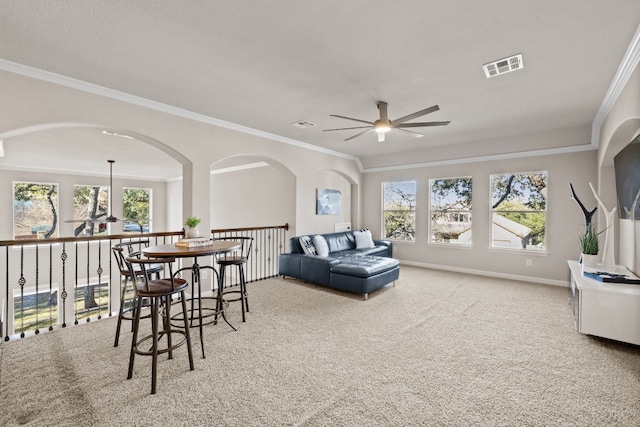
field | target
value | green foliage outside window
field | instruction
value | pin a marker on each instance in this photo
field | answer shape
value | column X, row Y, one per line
column 399, row 210
column 451, row 210
column 90, row 202
column 35, row 210
column 136, row 204
column 522, row 199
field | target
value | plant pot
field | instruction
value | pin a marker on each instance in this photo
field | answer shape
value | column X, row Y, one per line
column 589, row 261
column 193, row 232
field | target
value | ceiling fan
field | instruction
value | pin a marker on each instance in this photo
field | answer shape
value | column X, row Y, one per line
column 384, row 125
column 110, row 217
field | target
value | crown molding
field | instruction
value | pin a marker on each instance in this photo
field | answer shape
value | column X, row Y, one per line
column 47, row 76
column 477, row 159
column 625, row 69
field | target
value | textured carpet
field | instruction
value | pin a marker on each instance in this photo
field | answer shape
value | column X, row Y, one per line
column 439, row 348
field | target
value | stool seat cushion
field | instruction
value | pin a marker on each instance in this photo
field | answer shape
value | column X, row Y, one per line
column 232, row 260
column 161, row 287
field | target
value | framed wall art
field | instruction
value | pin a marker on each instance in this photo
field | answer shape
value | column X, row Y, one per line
column 328, row 202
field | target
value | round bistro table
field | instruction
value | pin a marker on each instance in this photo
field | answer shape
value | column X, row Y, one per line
column 174, row 251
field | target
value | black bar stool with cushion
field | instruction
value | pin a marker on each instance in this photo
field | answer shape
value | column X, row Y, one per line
column 127, row 305
column 237, row 258
column 158, row 292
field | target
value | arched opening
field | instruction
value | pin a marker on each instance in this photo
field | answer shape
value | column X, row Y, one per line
column 251, row 191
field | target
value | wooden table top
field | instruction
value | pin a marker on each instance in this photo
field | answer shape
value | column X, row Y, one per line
column 171, row 250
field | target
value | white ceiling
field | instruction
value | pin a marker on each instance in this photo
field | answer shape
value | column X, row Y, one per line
column 267, row 64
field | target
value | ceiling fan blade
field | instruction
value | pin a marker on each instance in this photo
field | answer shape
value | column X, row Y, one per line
column 357, row 127
column 416, row 115
column 93, row 221
column 418, row 125
column 412, row 133
column 351, row 118
column 358, row 134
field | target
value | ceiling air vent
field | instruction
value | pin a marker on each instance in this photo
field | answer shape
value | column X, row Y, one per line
column 303, row 124
column 503, row 66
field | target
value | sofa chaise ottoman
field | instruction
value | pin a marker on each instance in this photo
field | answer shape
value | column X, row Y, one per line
column 349, row 261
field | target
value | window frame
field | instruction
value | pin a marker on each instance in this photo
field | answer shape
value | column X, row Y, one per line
column 528, row 248
column 149, row 210
column 432, row 211
column 36, row 235
column 412, row 211
column 102, row 228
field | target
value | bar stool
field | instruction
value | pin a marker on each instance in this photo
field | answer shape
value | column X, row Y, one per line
column 127, row 305
column 158, row 292
column 237, row 258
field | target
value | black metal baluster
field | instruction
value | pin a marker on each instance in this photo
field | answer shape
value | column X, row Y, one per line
column 6, row 323
column 21, row 283
column 37, row 283
column 51, row 322
column 63, row 295
column 99, row 271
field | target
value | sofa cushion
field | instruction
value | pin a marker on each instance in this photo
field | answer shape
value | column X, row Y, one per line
column 322, row 248
column 340, row 241
column 307, row 245
column 363, row 239
column 363, row 265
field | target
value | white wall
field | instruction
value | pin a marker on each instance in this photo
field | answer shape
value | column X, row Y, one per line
column 621, row 126
column 309, row 185
column 565, row 219
column 260, row 196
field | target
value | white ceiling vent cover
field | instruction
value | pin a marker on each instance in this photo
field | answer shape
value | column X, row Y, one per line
column 503, row 66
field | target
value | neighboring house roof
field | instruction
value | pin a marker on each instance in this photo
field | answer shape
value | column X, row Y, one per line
column 511, row 226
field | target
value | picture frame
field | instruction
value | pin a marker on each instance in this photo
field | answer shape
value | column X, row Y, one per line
column 328, row 201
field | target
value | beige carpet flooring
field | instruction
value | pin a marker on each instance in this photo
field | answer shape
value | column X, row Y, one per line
column 437, row 349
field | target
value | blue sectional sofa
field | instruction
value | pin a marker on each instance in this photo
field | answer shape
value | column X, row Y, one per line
column 349, row 265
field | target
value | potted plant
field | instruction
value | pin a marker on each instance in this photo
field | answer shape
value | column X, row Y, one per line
column 192, row 224
column 589, row 246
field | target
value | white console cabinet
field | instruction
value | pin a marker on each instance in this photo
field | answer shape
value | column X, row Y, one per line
column 608, row 310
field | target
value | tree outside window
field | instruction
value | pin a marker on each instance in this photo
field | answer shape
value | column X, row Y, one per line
column 35, row 210
column 451, row 210
column 136, row 208
column 399, row 211
column 519, row 210
column 90, row 202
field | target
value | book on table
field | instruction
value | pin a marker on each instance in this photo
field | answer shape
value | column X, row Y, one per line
column 194, row 242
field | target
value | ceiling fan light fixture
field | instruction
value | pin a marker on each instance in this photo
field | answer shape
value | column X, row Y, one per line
column 382, row 126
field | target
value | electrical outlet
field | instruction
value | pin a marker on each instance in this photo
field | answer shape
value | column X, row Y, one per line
column 528, row 262
column 204, row 274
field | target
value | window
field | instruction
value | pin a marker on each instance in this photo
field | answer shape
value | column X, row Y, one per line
column 519, row 210
column 399, row 211
column 90, row 202
column 136, row 208
column 35, row 210
column 451, row 210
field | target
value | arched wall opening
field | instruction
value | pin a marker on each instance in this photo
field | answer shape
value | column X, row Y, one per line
column 251, row 191
column 77, row 149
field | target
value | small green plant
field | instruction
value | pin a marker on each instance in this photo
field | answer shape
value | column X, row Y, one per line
column 589, row 241
column 192, row 221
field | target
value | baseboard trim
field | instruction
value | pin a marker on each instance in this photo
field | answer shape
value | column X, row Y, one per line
column 561, row 283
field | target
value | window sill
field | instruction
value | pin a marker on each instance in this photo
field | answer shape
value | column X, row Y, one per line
column 527, row 252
